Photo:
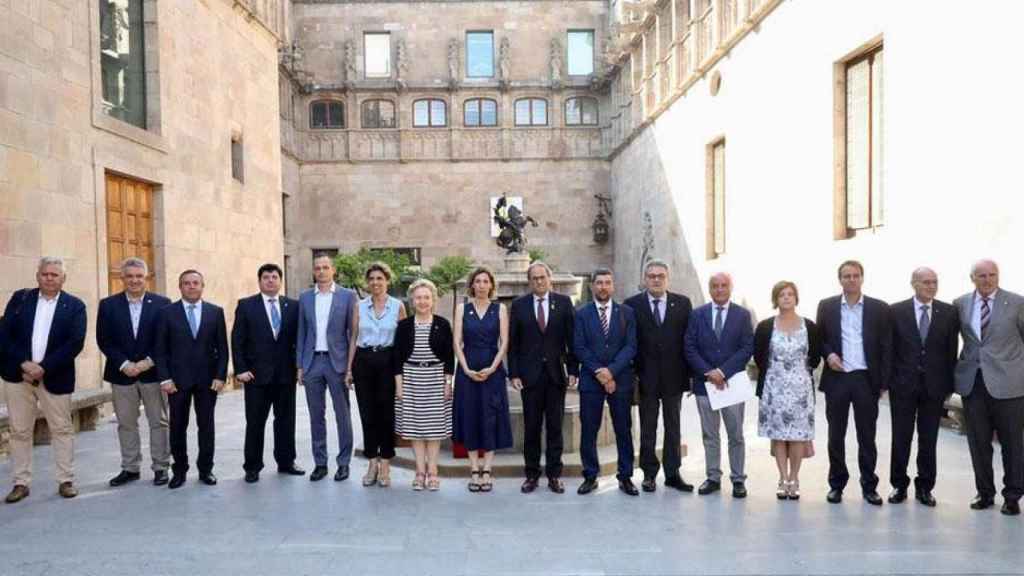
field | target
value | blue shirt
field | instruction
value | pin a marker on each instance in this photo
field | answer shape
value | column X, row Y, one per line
column 374, row 330
column 852, row 324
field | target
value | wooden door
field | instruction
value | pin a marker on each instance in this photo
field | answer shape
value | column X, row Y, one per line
column 129, row 227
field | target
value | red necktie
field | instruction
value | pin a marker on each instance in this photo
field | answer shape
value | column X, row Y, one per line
column 541, row 321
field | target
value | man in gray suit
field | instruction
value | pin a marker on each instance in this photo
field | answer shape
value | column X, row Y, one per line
column 326, row 325
column 990, row 378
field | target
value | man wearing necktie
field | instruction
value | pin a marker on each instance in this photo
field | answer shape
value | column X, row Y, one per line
column 126, row 326
column 719, row 344
column 990, row 378
column 663, row 373
column 263, row 341
column 192, row 363
column 925, row 337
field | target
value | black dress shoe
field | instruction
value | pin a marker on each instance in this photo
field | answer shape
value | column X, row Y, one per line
column 739, row 490
column 529, row 485
column 679, row 484
column 252, row 477
column 124, row 477
column 926, row 498
column 873, row 498
column 897, row 496
column 1010, row 508
column 209, row 479
column 982, row 502
column 160, row 478
column 318, row 473
column 556, row 485
column 626, row 485
column 177, row 481
column 649, row 485
column 708, row 487
column 834, row 496
column 291, row 470
column 341, row 474
column 588, row 486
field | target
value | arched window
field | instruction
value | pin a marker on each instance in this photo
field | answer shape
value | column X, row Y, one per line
column 429, row 112
column 326, row 114
column 531, row 112
column 378, row 114
column 581, row 112
column 480, row 112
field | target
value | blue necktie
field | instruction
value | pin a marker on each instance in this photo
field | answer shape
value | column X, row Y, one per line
column 192, row 320
column 275, row 316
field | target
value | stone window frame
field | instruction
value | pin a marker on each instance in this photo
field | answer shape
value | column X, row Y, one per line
column 237, row 158
column 391, row 64
column 362, row 113
column 327, row 102
column 497, row 112
column 840, row 221
column 493, row 59
column 581, row 123
column 531, row 124
column 712, row 229
column 152, row 135
column 430, row 115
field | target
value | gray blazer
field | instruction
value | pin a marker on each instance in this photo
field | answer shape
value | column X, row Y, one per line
column 1000, row 355
column 339, row 328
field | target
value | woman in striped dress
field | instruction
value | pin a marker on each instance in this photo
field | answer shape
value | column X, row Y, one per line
column 423, row 365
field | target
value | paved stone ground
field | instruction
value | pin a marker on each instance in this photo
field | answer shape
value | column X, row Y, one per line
column 288, row 526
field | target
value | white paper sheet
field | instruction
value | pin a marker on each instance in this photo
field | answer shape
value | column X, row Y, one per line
column 739, row 390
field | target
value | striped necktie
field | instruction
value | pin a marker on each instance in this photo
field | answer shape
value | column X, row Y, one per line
column 604, row 319
column 986, row 315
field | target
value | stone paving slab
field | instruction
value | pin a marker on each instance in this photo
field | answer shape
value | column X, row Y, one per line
column 288, row 526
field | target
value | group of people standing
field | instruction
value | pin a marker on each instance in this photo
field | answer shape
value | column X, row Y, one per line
column 425, row 380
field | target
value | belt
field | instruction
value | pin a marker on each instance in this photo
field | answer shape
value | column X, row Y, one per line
column 318, row 353
column 374, row 348
column 424, row 364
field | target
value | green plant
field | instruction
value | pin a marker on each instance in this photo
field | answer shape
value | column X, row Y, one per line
column 447, row 272
column 351, row 269
column 537, row 254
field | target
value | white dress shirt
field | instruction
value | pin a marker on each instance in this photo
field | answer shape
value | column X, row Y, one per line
column 715, row 313
column 198, row 312
column 135, row 311
column 976, row 313
column 323, row 315
column 918, row 305
column 45, row 309
column 269, row 306
column 852, row 328
column 662, row 300
column 547, row 305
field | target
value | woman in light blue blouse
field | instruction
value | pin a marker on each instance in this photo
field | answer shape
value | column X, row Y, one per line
column 370, row 368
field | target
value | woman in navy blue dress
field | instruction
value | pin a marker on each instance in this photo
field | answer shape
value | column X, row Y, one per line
column 481, row 416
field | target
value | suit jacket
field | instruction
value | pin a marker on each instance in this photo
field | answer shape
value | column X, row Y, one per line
column 1000, row 356
column 253, row 346
column 120, row 344
column 532, row 351
column 763, row 346
column 661, row 354
column 935, row 358
column 594, row 350
column 877, row 337
column 705, row 351
column 339, row 328
column 191, row 361
column 441, row 343
column 66, row 339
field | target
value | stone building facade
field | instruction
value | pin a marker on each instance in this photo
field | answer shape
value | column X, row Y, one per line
column 131, row 127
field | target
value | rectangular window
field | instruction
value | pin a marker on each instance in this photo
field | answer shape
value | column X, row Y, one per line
column 581, row 52
column 480, row 112
column 122, row 62
column 237, row 161
column 480, row 54
column 377, row 54
column 531, row 112
column 864, row 129
column 715, row 210
column 429, row 113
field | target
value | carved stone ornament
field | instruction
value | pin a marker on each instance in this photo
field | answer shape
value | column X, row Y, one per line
column 453, row 62
column 401, row 64
column 351, row 73
column 556, row 63
column 505, row 62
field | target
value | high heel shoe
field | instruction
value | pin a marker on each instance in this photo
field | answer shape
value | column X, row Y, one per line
column 417, row 482
column 371, row 473
column 782, row 492
column 384, row 475
column 794, row 490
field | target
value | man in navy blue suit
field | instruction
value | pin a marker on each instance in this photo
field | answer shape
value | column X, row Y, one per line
column 126, row 334
column 719, row 343
column 44, row 331
column 192, row 363
column 263, row 349
column 605, row 344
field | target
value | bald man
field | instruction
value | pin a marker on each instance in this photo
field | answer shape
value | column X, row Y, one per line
column 925, row 337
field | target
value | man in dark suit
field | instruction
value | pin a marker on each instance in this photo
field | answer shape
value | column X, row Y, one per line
column 126, row 334
column 605, row 345
column 44, row 331
column 856, row 344
column 263, row 349
column 719, row 344
column 924, row 346
column 192, row 362
column 541, row 364
column 661, row 320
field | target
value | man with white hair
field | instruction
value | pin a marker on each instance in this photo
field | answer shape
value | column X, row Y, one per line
column 990, row 378
column 44, row 331
column 126, row 334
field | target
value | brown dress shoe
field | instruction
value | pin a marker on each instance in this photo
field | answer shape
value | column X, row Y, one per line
column 18, row 493
column 67, row 490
